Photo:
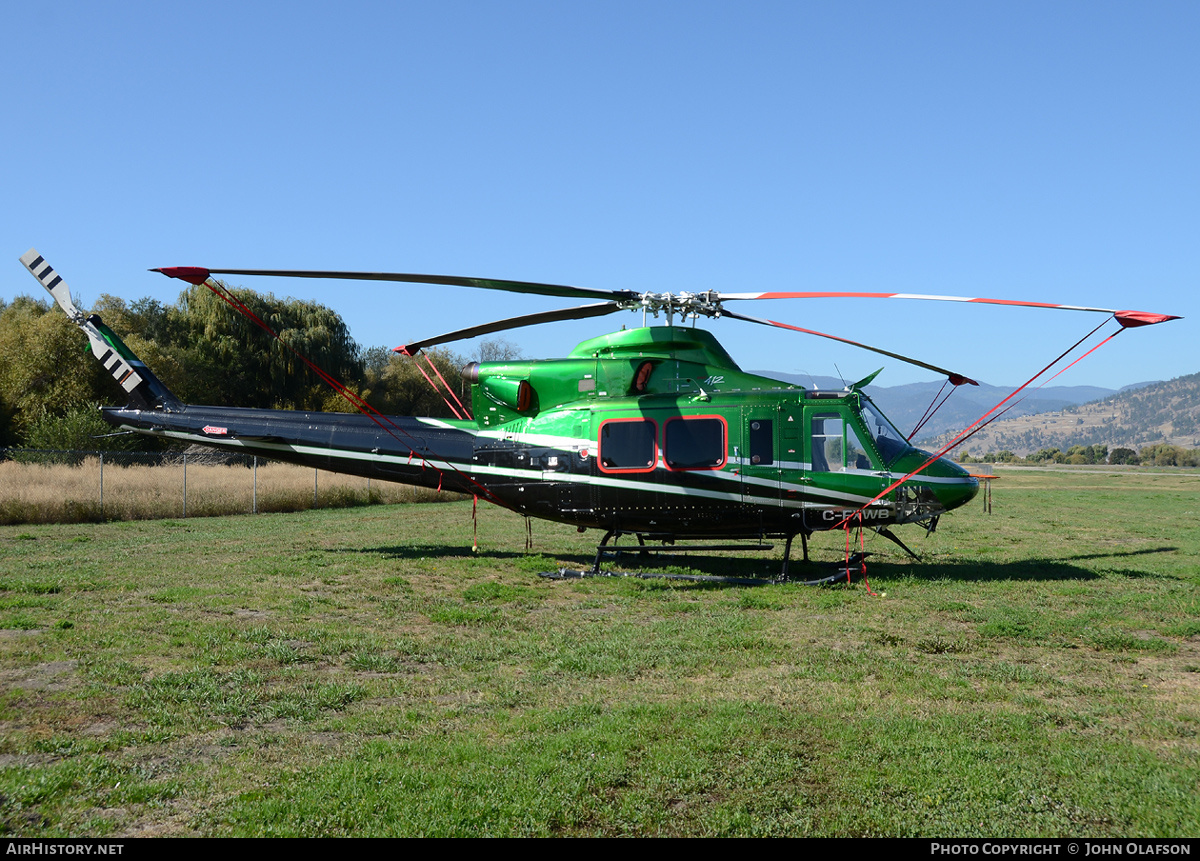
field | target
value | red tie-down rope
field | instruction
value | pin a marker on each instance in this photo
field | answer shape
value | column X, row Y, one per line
column 1040, row 385
column 862, row 556
column 970, row 431
column 403, row 351
column 461, row 405
column 933, row 407
column 353, row 397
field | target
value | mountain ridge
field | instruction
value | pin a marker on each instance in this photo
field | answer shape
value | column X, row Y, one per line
column 906, row 404
column 1161, row 413
column 1135, row 415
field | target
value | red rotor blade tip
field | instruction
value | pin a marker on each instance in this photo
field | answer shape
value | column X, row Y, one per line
column 1131, row 319
column 190, row 274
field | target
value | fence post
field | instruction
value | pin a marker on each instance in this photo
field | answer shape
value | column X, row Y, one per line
column 254, row 505
column 101, row 484
column 185, row 484
column 314, row 487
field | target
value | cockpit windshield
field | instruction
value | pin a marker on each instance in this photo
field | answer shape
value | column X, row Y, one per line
column 889, row 441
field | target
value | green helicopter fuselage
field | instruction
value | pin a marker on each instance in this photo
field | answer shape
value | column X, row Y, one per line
column 651, row 430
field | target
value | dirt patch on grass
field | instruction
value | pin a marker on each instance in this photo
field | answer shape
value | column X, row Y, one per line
column 51, row 676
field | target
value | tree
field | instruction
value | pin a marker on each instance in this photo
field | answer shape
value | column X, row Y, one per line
column 498, row 350
column 79, row 428
column 244, row 365
column 375, row 360
column 399, row 388
column 48, row 367
column 1046, row 454
column 1164, row 454
column 7, row 437
column 206, row 351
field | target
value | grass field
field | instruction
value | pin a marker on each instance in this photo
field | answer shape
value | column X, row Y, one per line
column 361, row 671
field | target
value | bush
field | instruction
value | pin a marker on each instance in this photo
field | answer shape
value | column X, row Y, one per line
column 80, row 428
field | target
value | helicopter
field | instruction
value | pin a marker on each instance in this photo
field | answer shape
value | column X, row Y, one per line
column 653, row 432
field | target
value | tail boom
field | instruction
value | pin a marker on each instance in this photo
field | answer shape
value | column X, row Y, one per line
column 423, row 452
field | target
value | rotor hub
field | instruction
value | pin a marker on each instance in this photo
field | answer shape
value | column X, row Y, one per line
column 705, row 304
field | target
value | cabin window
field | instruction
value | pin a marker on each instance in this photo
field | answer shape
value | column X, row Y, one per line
column 762, row 442
column 628, row 445
column 827, row 443
column 695, row 443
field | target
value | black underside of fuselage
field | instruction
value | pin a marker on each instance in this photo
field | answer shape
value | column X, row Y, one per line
column 556, row 484
column 405, row 452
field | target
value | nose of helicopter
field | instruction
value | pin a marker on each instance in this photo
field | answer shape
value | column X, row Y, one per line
column 955, row 487
column 950, row 484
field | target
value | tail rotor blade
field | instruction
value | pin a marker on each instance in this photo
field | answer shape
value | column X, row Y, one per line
column 52, row 281
column 146, row 391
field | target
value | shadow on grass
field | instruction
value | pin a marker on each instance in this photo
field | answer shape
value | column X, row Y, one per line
column 1041, row 570
column 626, row 563
column 440, row 552
column 1033, row 570
column 1143, row 552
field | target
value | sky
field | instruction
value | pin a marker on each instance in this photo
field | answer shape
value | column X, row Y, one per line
column 1018, row 150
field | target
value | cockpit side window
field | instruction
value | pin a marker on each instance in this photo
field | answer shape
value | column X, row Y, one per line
column 836, row 446
column 856, row 453
column 889, row 442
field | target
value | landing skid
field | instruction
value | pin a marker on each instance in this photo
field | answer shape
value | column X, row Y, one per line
column 668, row 546
column 838, row 576
column 892, row 537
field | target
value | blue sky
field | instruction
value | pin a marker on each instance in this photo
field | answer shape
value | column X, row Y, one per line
column 1040, row 151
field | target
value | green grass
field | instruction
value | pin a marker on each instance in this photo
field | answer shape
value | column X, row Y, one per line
column 362, row 671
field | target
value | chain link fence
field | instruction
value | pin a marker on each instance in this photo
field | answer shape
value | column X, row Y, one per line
column 56, row 486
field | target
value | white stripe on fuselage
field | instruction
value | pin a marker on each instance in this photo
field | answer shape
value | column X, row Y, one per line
column 569, row 443
column 536, row 475
column 528, row 474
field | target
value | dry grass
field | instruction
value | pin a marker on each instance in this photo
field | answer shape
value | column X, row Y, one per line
column 38, row 493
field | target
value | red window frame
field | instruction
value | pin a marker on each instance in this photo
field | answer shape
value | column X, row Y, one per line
column 724, row 444
column 626, row 469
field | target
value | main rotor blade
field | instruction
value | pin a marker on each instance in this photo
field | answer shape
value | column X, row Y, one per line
column 579, row 313
column 954, row 377
column 191, row 273
column 1125, row 318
